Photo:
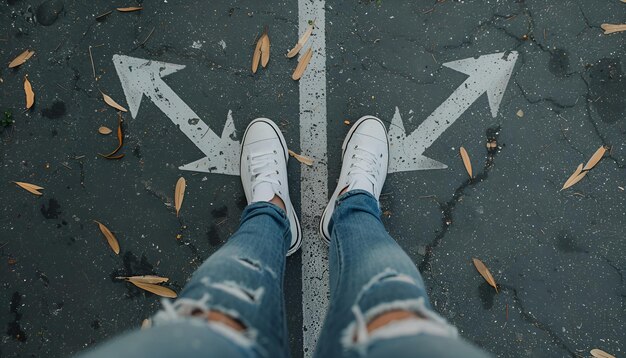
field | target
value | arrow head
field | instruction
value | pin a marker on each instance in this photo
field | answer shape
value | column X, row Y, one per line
column 489, row 73
column 137, row 77
column 223, row 157
column 404, row 154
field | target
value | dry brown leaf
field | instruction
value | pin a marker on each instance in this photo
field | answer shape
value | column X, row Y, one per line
column 104, row 130
column 28, row 90
column 144, row 278
column 301, row 158
column 31, row 188
column 520, row 113
column 129, row 9
column 595, row 158
column 179, row 194
column 611, row 28
column 577, row 179
column 265, row 50
column 598, row 353
column 572, row 177
column 303, row 39
column 120, row 141
column 466, row 161
column 484, row 272
column 21, row 58
column 115, row 246
column 302, row 63
column 157, row 290
column 256, row 58
column 108, row 100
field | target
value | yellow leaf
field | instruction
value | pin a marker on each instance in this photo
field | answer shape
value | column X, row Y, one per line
column 598, row 353
column 179, row 194
column 144, row 279
column 157, row 290
column 129, row 9
column 303, row 39
column 31, row 188
column 108, row 100
column 302, row 63
column 611, row 28
column 115, row 246
column 466, row 161
column 520, row 113
column 30, row 95
column 21, row 58
column 301, row 158
column 570, row 181
column 104, row 130
column 595, row 158
column 484, row 272
column 265, row 50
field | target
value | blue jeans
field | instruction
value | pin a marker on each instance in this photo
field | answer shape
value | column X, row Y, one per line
column 369, row 275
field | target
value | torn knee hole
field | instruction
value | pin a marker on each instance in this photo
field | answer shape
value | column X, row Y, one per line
column 216, row 316
column 249, row 263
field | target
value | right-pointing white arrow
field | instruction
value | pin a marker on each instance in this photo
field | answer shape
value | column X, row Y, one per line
column 141, row 77
column 487, row 73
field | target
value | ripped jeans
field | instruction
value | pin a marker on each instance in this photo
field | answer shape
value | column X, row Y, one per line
column 369, row 275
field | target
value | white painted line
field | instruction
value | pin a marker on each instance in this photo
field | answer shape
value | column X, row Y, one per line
column 314, row 190
column 487, row 73
column 141, row 77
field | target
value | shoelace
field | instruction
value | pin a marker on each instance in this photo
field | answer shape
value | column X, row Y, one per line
column 263, row 168
column 365, row 164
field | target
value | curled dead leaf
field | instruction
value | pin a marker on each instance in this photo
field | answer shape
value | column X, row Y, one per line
column 31, row 188
column 111, row 240
column 120, row 140
column 28, row 90
column 611, row 28
column 129, row 9
column 303, row 39
column 302, row 63
column 157, row 290
column 301, row 158
column 179, row 194
column 108, row 100
column 595, row 158
column 21, row 58
column 484, row 272
column 570, row 181
column 144, row 279
column 598, row 353
column 104, row 130
column 466, row 161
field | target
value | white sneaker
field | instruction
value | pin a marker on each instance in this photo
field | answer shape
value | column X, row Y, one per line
column 263, row 170
column 365, row 155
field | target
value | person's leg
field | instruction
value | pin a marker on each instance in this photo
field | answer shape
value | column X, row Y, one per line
column 233, row 305
column 378, row 302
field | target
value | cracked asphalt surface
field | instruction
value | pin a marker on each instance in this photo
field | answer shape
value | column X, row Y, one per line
column 558, row 256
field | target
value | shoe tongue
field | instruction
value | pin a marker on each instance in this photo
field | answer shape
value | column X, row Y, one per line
column 263, row 192
column 362, row 183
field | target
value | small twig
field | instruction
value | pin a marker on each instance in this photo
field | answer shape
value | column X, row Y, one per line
column 65, row 89
column 93, row 67
column 146, row 40
column 5, row 244
column 78, row 157
column 433, row 55
column 65, row 165
column 103, row 15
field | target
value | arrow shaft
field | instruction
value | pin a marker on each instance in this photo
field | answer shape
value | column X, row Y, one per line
column 445, row 115
column 180, row 113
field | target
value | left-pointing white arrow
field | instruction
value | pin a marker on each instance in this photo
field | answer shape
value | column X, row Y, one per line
column 141, row 77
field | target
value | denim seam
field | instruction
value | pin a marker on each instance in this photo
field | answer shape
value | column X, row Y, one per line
column 338, row 252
